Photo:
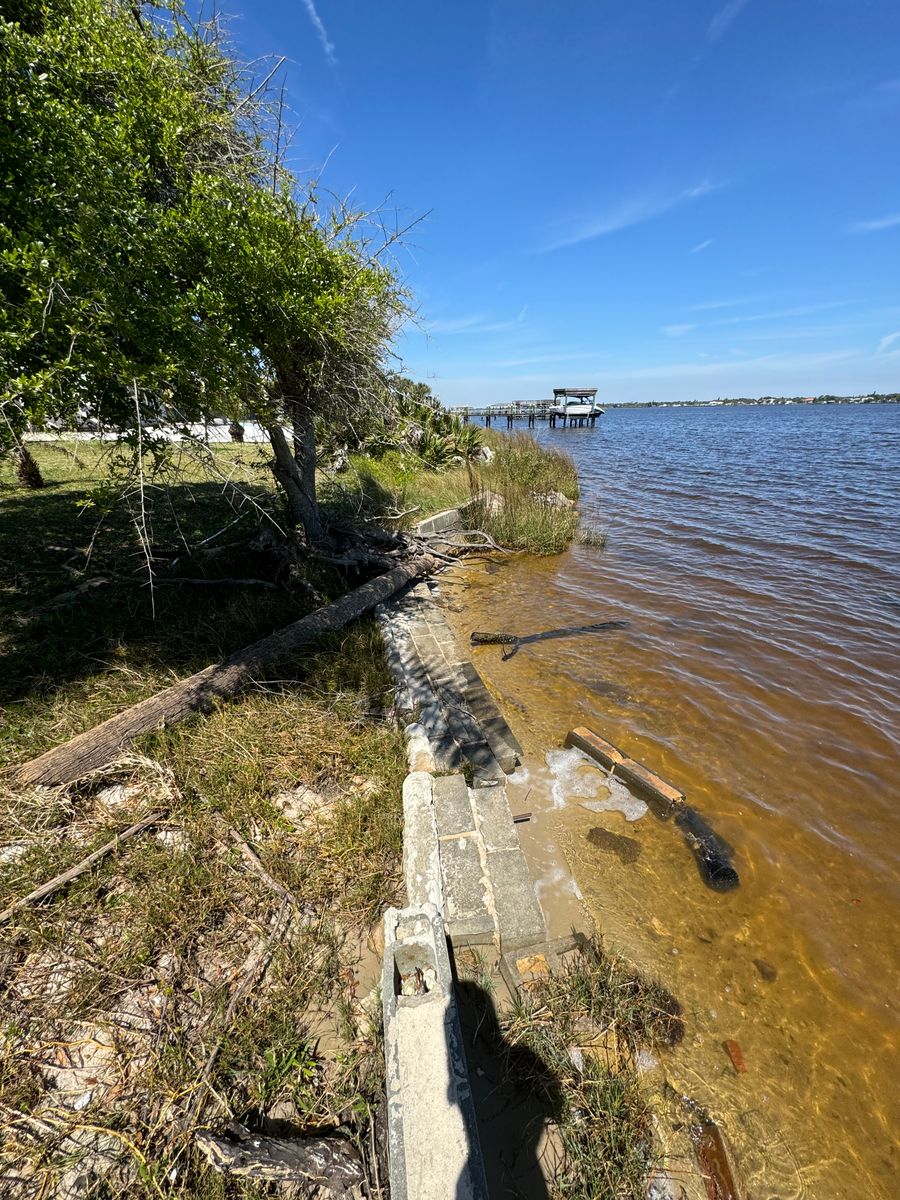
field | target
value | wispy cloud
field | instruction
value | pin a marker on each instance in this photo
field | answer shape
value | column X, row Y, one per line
column 724, row 18
column 802, row 310
column 875, row 225
column 732, row 302
column 887, row 341
column 702, row 246
column 677, row 330
column 633, row 211
column 475, row 324
column 327, row 43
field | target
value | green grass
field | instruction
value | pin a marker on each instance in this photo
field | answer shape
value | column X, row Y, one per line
column 519, row 490
column 396, row 487
column 167, row 927
column 569, row 1042
column 522, row 497
column 164, row 928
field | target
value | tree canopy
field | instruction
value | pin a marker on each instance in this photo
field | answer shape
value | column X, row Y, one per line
column 156, row 259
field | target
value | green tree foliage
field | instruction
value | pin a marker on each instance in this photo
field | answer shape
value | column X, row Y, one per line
column 156, row 260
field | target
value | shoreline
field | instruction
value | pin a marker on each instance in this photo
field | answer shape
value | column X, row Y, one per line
column 727, row 683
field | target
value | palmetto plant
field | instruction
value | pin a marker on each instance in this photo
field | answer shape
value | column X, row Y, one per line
column 436, row 450
column 467, row 439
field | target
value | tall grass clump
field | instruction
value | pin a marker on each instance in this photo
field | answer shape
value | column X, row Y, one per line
column 520, row 459
column 570, row 1040
column 525, row 497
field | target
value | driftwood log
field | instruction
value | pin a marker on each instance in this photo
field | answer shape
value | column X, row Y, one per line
column 331, row 1162
column 201, row 691
column 494, row 639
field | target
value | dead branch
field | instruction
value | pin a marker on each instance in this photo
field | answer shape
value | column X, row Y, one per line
column 53, row 885
column 329, row 1162
column 254, row 968
column 270, row 881
column 66, row 598
column 223, row 582
column 487, row 544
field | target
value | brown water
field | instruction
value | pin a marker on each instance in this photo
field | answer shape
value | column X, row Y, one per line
column 755, row 554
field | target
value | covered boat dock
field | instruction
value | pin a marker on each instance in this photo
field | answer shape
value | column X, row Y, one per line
column 572, row 406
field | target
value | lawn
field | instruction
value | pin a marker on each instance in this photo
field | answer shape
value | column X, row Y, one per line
column 174, row 985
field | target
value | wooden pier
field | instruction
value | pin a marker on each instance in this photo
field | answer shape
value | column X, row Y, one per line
column 529, row 411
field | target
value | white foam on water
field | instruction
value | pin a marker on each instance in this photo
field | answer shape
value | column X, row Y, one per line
column 570, row 777
column 519, row 777
column 558, row 879
column 644, row 1061
column 619, row 800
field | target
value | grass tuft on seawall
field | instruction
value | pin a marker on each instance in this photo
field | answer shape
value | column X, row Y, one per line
column 525, row 495
column 571, row 1041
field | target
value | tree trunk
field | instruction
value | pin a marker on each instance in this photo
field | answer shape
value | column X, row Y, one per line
column 200, row 692
column 298, row 482
column 28, row 471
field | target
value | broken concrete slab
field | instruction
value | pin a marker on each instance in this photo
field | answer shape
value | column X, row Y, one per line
column 483, row 707
column 442, row 522
column 486, row 771
column 433, row 1147
column 452, row 806
column 520, row 922
column 446, row 695
column 421, row 864
column 468, row 895
column 494, row 818
column 419, row 756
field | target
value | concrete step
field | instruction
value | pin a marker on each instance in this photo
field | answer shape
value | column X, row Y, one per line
column 468, row 891
column 488, row 895
column 520, row 922
column 483, row 708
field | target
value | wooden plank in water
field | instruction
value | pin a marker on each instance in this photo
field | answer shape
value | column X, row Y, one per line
column 595, row 747
column 642, row 779
column 638, row 777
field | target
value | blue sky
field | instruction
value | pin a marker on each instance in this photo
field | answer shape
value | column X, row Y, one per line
column 665, row 199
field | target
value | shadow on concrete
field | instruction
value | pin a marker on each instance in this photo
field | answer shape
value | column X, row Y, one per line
column 516, row 1096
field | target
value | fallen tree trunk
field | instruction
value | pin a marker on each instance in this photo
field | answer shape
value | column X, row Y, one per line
column 200, row 692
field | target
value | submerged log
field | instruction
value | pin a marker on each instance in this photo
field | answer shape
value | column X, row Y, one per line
column 331, row 1162
column 712, row 852
column 494, row 639
column 717, row 1168
column 200, row 692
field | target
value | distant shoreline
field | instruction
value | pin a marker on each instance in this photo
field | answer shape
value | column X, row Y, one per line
column 763, row 401
column 541, row 408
